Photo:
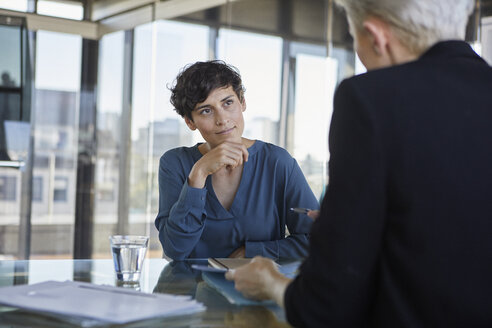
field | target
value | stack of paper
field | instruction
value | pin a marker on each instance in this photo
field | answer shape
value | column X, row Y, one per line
column 103, row 303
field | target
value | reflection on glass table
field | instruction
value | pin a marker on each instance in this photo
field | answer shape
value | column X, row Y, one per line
column 158, row 276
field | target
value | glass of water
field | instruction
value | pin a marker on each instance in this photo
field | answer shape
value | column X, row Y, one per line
column 128, row 255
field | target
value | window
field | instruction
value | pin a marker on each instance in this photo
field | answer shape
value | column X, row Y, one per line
column 8, row 188
column 61, row 9
column 37, row 189
column 258, row 58
column 9, row 211
column 161, row 49
column 109, row 110
column 56, row 113
column 58, row 59
column 110, row 82
column 19, row 5
column 60, row 189
column 176, row 45
column 10, row 60
column 10, row 82
column 312, row 115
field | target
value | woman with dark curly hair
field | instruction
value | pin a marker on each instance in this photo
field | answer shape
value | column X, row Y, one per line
column 229, row 196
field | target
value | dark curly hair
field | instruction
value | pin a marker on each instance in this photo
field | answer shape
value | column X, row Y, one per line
column 195, row 82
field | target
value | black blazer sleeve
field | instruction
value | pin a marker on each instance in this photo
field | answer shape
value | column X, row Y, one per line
column 336, row 281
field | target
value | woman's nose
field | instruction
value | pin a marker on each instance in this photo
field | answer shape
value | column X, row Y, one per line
column 220, row 119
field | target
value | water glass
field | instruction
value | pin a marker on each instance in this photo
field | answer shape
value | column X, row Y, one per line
column 128, row 255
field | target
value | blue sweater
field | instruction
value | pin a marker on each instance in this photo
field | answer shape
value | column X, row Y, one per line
column 193, row 224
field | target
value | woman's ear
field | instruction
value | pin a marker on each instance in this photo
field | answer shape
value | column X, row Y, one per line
column 378, row 31
column 243, row 103
column 190, row 124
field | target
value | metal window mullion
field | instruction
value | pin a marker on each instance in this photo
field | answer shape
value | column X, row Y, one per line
column 213, row 35
column 24, row 235
column 86, row 152
column 286, row 96
column 125, row 136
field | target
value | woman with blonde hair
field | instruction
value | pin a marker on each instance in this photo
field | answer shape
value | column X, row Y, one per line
column 404, row 235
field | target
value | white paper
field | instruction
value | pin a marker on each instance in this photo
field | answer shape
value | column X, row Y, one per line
column 104, row 303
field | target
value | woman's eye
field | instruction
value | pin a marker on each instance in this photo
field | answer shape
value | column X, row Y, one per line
column 229, row 102
column 205, row 111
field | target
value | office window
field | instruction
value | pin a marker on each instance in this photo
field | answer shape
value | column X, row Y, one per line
column 312, row 116
column 258, row 58
column 61, row 9
column 9, row 212
column 9, row 110
column 10, row 60
column 8, row 188
column 110, row 84
column 161, row 49
column 19, row 5
column 175, row 45
column 56, row 112
column 58, row 59
column 37, row 189
column 109, row 109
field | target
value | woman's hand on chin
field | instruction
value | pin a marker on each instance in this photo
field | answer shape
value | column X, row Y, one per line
column 228, row 153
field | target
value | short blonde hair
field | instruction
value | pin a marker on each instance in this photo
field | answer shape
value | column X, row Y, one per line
column 418, row 24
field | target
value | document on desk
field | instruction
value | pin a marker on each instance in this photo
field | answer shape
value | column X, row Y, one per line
column 107, row 304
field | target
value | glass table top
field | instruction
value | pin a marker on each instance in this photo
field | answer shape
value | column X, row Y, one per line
column 158, row 276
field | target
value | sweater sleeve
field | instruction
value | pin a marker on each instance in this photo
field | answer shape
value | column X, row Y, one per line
column 297, row 193
column 181, row 216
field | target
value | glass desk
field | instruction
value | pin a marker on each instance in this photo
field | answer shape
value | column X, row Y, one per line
column 158, row 276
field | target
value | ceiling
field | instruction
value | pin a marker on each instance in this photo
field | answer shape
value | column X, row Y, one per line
column 297, row 20
column 105, row 8
column 305, row 20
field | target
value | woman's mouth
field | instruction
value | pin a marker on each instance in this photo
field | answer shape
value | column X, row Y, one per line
column 226, row 131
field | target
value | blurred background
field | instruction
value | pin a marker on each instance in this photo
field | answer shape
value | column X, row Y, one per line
column 85, row 112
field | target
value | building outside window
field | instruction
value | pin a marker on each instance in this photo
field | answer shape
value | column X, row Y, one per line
column 8, row 188
column 37, row 189
column 60, row 189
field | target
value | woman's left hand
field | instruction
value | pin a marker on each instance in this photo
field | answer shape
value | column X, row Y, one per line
column 260, row 280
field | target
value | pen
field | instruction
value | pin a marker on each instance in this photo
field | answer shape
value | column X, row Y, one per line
column 300, row 210
column 218, row 263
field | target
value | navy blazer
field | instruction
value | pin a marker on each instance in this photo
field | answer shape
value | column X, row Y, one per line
column 405, row 233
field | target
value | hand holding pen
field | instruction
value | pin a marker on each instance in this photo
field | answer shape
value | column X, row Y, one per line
column 313, row 214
